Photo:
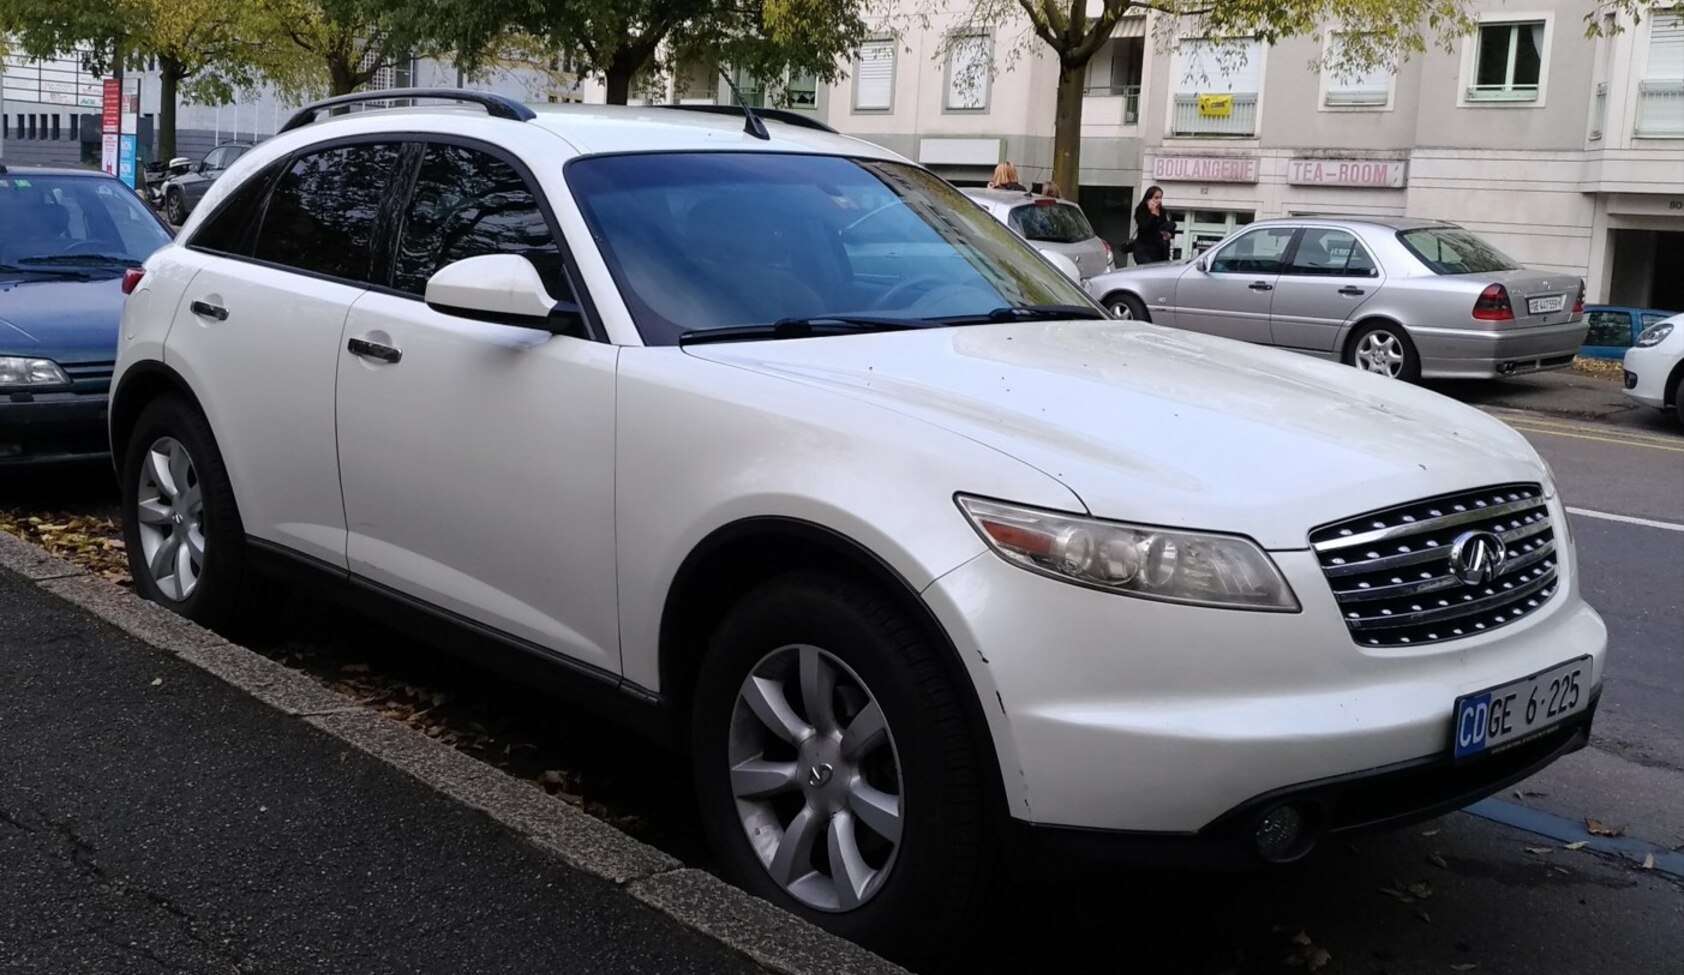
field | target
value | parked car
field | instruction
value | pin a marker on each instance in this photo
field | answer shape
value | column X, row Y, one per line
column 1050, row 224
column 1654, row 366
column 1614, row 328
column 927, row 565
column 67, row 236
column 1401, row 297
column 183, row 192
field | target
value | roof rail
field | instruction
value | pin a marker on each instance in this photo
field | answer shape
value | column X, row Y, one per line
column 773, row 114
column 497, row 106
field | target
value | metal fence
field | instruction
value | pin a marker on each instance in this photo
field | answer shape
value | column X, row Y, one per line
column 1240, row 120
column 1660, row 110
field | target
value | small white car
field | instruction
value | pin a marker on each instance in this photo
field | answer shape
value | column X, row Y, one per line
column 1654, row 366
column 1050, row 225
column 762, row 440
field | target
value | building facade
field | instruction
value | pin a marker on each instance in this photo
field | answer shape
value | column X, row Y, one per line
column 1563, row 150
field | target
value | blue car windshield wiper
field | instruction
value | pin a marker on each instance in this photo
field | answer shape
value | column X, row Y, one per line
column 67, row 272
column 73, row 259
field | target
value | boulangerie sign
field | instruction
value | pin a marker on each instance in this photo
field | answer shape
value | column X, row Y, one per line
column 1204, row 169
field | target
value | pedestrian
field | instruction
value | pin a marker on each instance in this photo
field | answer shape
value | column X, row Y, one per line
column 1153, row 229
column 1005, row 178
column 1050, row 188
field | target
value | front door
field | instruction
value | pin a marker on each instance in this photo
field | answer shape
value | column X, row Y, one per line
column 1328, row 278
column 478, row 468
column 1230, row 292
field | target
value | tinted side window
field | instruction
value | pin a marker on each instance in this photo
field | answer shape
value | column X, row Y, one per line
column 1611, row 328
column 1258, row 252
column 323, row 211
column 213, row 159
column 229, row 230
column 468, row 203
column 1330, row 252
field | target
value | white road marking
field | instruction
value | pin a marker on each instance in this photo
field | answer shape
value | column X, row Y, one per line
column 1627, row 519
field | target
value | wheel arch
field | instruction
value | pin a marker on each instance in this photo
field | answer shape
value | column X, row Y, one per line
column 141, row 384
column 735, row 558
column 1112, row 294
column 1357, row 326
column 1673, row 391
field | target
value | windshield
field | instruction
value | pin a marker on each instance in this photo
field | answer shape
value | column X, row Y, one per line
column 1447, row 250
column 87, row 222
column 702, row 241
column 1053, row 223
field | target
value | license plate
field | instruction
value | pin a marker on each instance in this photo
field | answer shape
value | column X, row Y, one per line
column 1541, row 306
column 1508, row 712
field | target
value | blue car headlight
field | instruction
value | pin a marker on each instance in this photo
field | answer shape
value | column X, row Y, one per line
column 17, row 372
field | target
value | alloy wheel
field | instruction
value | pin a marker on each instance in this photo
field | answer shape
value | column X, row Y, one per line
column 1380, row 352
column 171, row 518
column 816, row 777
column 1121, row 309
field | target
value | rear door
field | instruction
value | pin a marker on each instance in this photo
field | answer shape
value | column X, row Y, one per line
column 1232, row 292
column 259, row 331
column 1328, row 277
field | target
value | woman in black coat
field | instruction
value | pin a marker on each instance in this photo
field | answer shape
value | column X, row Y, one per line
column 1152, row 228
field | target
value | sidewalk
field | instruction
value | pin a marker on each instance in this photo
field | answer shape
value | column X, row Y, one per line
column 156, row 819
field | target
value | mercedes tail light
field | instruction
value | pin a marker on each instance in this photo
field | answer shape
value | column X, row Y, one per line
column 1579, row 302
column 1493, row 305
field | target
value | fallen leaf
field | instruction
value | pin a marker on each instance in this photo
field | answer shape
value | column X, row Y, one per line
column 156, row 681
column 1429, row 832
column 1540, row 850
column 1317, row 958
column 1597, row 827
column 1575, row 846
column 1420, row 891
column 1301, row 938
column 1423, row 915
column 1528, row 794
column 1437, row 860
column 1649, row 861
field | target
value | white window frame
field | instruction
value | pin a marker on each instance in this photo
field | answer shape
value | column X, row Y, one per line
column 894, row 66
column 1178, row 78
column 1470, row 59
column 1642, row 76
column 987, row 81
column 1327, row 87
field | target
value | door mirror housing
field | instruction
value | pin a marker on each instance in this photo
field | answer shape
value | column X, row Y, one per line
column 1064, row 264
column 501, row 288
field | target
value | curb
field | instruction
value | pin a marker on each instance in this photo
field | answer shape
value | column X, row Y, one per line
column 764, row 933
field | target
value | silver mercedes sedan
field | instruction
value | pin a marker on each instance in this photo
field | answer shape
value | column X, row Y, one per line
column 1402, row 297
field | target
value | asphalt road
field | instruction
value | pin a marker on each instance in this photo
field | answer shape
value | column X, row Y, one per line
column 1461, row 891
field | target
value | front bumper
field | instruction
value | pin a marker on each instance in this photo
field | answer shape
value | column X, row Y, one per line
column 1489, row 352
column 1374, row 799
column 51, row 426
column 1647, row 372
column 1113, row 713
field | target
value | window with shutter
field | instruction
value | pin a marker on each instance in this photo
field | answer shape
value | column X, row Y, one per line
column 968, row 63
column 874, row 77
column 1660, row 98
column 1366, row 87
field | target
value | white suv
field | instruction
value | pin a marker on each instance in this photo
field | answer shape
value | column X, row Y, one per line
column 772, row 445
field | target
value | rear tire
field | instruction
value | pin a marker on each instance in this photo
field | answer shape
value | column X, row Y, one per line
column 1385, row 350
column 175, row 208
column 1127, row 307
column 185, row 541
column 1678, row 395
column 925, row 886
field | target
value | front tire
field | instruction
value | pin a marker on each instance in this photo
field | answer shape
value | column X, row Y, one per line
column 1385, row 350
column 836, row 772
column 175, row 208
column 1127, row 307
column 185, row 541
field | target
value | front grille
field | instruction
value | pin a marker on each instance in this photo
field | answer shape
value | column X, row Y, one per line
column 1392, row 576
column 79, row 371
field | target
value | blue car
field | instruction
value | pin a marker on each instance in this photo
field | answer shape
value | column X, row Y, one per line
column 67, row 239
column 1613, row 329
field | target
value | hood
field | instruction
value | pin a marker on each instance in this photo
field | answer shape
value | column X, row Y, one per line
column 61, row 318
column 1158, row 426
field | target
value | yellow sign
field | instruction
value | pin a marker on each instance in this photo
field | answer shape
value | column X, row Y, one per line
column 1216, row 106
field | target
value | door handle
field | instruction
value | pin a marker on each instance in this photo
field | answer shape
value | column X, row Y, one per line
column 373, row 350
column 209, row 310
column 1261, row 286
column 1353, row 292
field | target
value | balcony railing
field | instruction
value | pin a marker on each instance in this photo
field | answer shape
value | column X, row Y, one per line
column 1660, row 110
column 1241, row 117
column 1130, row 94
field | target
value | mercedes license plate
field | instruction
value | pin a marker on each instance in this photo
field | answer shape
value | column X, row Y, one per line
column 1512, row 711
column 1547, row 304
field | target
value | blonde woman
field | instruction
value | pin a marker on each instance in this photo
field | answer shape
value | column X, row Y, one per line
column 1005, row 178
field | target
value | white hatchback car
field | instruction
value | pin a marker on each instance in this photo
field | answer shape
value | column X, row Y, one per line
column 1654, row 366
column 929, row 566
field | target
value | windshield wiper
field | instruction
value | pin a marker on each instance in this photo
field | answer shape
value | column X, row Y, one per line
column 1027, row 313
column 100, row 259
column 69, row 272
column 800, row 328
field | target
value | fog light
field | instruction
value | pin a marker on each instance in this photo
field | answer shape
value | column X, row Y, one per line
column 1283, row 834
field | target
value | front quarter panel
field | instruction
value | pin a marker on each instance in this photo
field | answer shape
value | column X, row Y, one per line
column 1153, row 284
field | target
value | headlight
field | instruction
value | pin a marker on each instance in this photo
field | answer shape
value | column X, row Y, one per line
column 17, row 371
column 1153, row 563
column 1654, row 335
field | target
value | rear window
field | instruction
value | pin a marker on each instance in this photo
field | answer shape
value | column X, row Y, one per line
column 1053, row 223
column 1447, row 250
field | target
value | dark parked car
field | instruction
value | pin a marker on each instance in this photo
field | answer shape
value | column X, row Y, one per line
column 67, row 239
column 1613, row 329
column 184, row 192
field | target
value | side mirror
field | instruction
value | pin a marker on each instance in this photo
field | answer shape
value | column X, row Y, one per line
column 501, row 288
column 1064, row 264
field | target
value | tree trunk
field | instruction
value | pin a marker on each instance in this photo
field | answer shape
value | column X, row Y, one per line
column 1067, row 131
column 169, row 77
column 617, row 79
column 341, row 76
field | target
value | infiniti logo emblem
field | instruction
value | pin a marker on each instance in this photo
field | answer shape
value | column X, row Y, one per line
column 818, row 776
column 1476, row 557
